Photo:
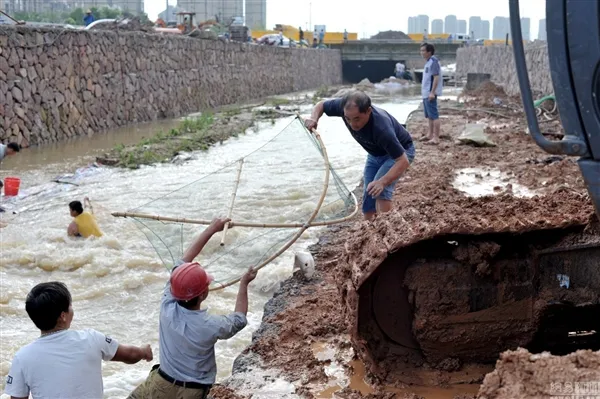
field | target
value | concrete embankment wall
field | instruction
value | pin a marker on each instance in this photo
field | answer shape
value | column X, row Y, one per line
column 56, row 84
column 499, row 62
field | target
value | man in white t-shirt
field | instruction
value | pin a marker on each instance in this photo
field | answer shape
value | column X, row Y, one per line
column 63, row 363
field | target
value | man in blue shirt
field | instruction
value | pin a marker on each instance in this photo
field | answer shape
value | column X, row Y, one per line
column 188, row 334
column 389, row 146
column 431, row 88
column 89, row 18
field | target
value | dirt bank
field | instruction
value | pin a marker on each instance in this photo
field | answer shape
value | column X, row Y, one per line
column 519, row 374
column 307, row 345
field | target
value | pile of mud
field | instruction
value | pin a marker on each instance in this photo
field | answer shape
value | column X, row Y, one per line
column 391, row 35
column 134, row 24
column 520, row 374
column 488, row 94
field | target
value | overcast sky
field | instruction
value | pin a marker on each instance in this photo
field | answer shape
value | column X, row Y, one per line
column 371, row 16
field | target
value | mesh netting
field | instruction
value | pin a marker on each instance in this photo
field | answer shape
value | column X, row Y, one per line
column 280, row 183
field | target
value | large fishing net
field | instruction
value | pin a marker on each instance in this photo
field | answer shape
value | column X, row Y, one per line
column 279, row 190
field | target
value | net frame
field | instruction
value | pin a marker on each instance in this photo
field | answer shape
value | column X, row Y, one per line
column 302, row 227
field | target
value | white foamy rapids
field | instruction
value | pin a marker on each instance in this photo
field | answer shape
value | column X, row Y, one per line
column 116, row 281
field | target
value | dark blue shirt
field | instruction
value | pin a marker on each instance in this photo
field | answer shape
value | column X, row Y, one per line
column 88, row 19
column 380, row 136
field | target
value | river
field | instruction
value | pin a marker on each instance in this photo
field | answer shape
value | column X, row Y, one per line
column 117, row 281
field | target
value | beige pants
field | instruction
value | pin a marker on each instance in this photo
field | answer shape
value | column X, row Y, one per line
column 156, row 387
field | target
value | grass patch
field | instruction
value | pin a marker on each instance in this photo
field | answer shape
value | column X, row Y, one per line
column 279, row 101
column 232, row 112
column 191, row 134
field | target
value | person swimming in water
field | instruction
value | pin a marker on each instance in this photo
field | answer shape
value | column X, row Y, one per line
column 84, row 224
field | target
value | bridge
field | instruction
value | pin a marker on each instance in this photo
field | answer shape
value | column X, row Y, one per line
column 376, row 59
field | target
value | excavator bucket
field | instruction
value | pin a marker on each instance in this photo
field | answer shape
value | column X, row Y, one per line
column 464, row 299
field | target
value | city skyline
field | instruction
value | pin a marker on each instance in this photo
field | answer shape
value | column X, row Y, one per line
column 478, row 28
column 338, row 15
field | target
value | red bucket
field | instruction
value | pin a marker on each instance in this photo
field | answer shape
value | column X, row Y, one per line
column 11, row 186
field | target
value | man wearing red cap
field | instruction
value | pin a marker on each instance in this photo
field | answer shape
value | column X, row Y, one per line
column 188, row 334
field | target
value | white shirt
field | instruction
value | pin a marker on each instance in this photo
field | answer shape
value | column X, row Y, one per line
column 400, row 67
column 2, row 151
column 63, row 365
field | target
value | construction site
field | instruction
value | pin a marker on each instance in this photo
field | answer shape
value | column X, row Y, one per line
column 482, row 283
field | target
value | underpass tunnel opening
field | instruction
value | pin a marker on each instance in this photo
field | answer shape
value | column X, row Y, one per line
column 471, row 297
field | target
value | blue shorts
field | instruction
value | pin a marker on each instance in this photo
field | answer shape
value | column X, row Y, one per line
column 375, row 168
column 431, row 109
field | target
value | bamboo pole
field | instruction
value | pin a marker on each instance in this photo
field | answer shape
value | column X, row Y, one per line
column 231, row 202
column 302, row 229
column 240, row 224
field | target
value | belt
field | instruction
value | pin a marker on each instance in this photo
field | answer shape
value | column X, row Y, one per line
column 192, row 385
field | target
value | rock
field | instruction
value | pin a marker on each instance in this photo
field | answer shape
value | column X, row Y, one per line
column 31, row 72
column 23, row 72
column 11, row 76
column 4, row 67
column 13, row 59
column 98, row 91
column 60, row 99
column 19, row 111
column 17, row 94
column 48, row 72
column 26, row 91
column 87, row 95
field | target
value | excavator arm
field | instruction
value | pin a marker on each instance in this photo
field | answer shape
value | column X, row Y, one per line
column 573, row 29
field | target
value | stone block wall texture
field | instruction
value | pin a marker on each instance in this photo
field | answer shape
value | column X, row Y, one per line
column 499, row 62
column 56, row 84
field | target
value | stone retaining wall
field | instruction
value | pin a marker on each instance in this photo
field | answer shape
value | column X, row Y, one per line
column 56, row 84
column 498, row 61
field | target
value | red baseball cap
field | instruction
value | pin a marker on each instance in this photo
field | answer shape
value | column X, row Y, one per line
column 189, row 281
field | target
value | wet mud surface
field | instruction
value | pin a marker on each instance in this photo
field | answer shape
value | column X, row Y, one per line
column 536, row 202
column 520, row 374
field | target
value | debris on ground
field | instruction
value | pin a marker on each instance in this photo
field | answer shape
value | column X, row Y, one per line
column 520, row 374
column 474, row 134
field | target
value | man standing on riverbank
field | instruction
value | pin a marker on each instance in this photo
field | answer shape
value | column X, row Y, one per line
column 431, row 88
column 187, row 334
column 389, row 146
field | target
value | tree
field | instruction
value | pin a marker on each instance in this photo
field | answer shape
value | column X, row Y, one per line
column 77, row 16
